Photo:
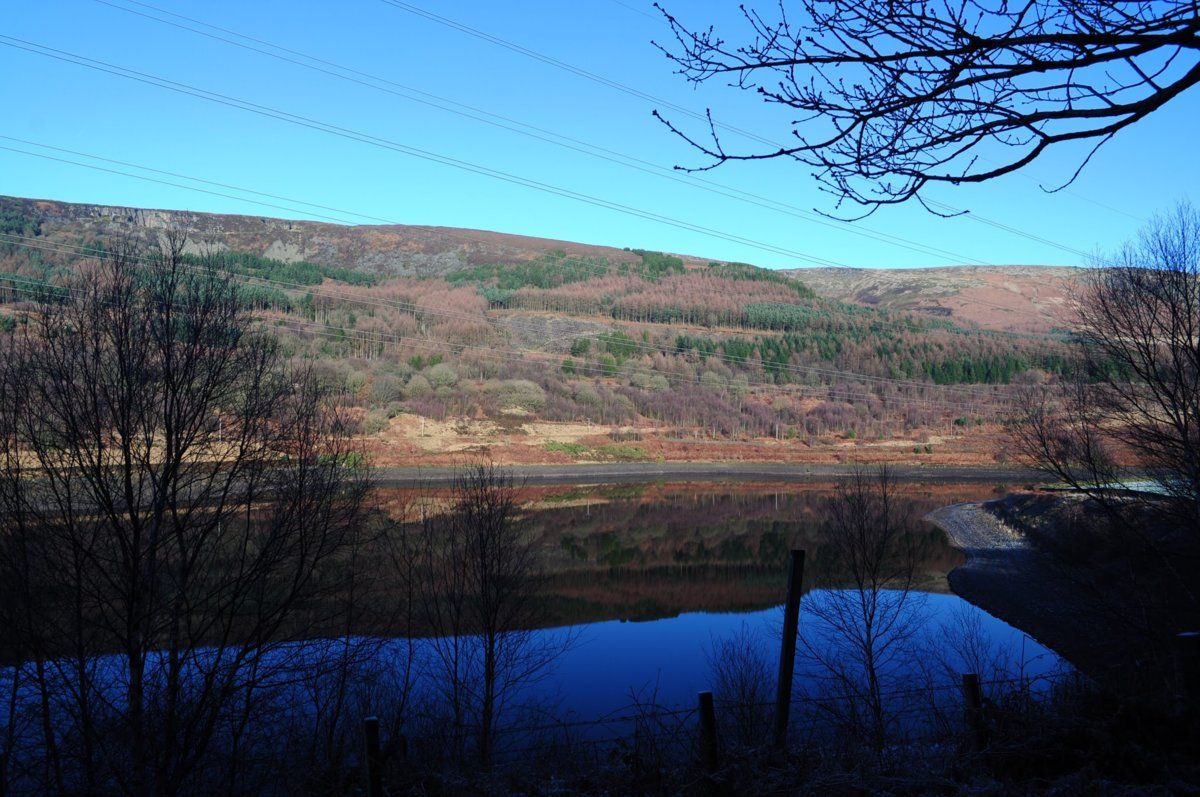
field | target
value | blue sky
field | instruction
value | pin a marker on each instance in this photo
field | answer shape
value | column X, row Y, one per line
column 1146, row 168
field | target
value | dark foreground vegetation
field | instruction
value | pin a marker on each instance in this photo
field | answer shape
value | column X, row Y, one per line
column 196, row 599
column 1126, row 444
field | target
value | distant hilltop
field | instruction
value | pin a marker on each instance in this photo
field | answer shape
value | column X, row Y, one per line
column 392, row 249
column 1011, row 298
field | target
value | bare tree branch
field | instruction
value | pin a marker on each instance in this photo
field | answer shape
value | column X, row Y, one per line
column 896, row 96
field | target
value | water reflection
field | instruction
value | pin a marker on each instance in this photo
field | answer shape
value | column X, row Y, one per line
column 660, row 590
column 668, row 659
column 651, row 579
column 648, row 551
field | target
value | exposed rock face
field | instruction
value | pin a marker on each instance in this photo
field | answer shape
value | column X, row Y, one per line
column 385, row 249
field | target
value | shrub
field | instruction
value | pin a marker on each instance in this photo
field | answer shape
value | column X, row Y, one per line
column 355, row 382
column 442, row 375
column 619, row 452
column 386, row 389
column 417, row 387
column 513, row 393
column 585, row 395
column 418, row 363
column 646, row 380
column 712, row 380
column 375, row 422
column 573, row 450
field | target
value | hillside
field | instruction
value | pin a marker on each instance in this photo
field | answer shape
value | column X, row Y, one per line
column 401, row 250
column 453, row 342
column 1013, row 298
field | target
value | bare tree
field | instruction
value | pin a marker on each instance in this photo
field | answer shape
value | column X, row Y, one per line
column 177, row 503
column 742, row 679
column 479, row 594
column 1135, row 399
column 868, row 618
column 1130, row 411
column 886, row 98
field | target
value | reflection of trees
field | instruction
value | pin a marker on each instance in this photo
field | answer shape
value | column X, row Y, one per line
column 476, row 580
column 863, row 632
column 707, row 552
column 651, row 551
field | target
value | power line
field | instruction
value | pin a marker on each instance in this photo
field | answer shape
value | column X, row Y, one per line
column 563, row 65
column 193, row 179
column 595, row 269
column 538, row 56
column 634, row 9
column 445, row 160
column 581, row 265
column 523, row 128
column 153, row 180
column 1001, row 226
column 383, row 143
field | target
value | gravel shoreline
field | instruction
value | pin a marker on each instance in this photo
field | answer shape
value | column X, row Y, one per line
column 1009, row 578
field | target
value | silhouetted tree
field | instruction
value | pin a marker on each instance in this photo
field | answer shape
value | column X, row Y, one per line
column 478, row 579
column 1136, row 394
column 886, row 98
column 176, row 503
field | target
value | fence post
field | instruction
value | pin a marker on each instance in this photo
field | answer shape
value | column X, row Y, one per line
column 973, row 710
column 402, row 748
column 709, row 754
column 374, row 757
column 787, row 650
column 1187, row 655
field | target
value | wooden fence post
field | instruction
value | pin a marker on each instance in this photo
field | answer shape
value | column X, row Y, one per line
column 787, row 650
column 1187, row 653
column 374, row 757
column 402, row 748
column 710, row 755
column 973, row 711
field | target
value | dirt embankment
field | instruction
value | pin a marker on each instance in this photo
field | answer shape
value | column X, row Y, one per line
column 1062, row 607
column 415, row 441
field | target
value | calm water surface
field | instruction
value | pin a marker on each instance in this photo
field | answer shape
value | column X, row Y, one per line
column 647, row 578
column 644, row 580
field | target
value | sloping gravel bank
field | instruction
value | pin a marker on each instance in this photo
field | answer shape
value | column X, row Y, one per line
column 1007, row 577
